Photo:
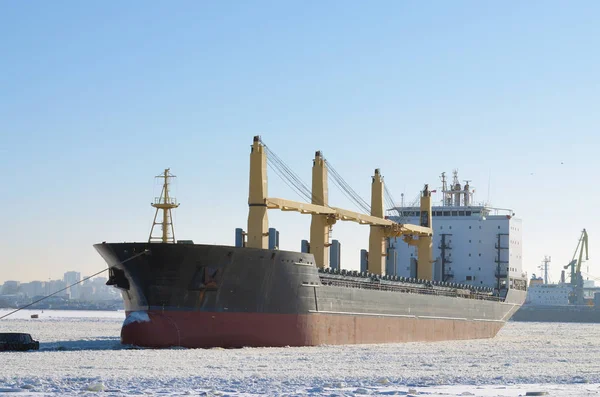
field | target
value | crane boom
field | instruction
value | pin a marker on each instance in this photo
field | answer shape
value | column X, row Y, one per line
column 392, row 228
column 575, row 265
column 584, row 243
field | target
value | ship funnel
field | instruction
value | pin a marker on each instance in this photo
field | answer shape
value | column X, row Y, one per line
column 467, row 194
column 457, row 193
column 456, row 189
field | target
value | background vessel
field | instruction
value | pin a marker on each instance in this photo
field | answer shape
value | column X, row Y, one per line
column 575, row 301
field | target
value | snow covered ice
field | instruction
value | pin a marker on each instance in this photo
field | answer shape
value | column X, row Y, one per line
column 80, row 354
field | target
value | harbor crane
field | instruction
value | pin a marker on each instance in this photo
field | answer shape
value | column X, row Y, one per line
column 575, row 265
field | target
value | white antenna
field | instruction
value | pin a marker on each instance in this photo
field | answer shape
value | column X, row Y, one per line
column 489, row 184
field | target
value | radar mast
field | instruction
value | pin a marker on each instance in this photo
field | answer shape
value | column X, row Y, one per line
column 165, row 203
column 544, row 267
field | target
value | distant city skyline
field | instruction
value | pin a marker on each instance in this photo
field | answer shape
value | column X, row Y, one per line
column 98, row 98
column 71, row 288
column 69, row 277
column 54, row 277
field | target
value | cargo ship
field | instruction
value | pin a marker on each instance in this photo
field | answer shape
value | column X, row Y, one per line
column 559, row 313
column 177, row 293
column 574, row 301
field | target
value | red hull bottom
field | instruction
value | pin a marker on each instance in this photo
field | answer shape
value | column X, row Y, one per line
column 209, row 329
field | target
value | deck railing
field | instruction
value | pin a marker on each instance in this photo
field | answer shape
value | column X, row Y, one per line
column 383, row 285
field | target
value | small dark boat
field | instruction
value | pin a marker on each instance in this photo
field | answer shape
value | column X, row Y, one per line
column 16, row 341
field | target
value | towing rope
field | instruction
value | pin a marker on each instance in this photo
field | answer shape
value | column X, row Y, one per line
column 81, row 281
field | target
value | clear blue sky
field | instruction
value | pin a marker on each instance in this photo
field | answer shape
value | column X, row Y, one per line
column 98, row 97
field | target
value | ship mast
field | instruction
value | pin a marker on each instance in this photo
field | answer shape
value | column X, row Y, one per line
column 445, row 200
column 165, row 203
column 544, row 267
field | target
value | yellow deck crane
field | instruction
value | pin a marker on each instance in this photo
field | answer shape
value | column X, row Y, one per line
column 575, row 265
column 324, row 216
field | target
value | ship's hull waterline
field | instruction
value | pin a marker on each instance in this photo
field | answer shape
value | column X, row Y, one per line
column 558, row 314
column 218, row 296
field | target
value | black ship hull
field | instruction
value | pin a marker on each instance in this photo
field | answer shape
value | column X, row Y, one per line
column 206, row 296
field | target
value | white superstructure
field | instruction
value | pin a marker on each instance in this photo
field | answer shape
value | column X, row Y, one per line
column 548, row 294
column 472, row 244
